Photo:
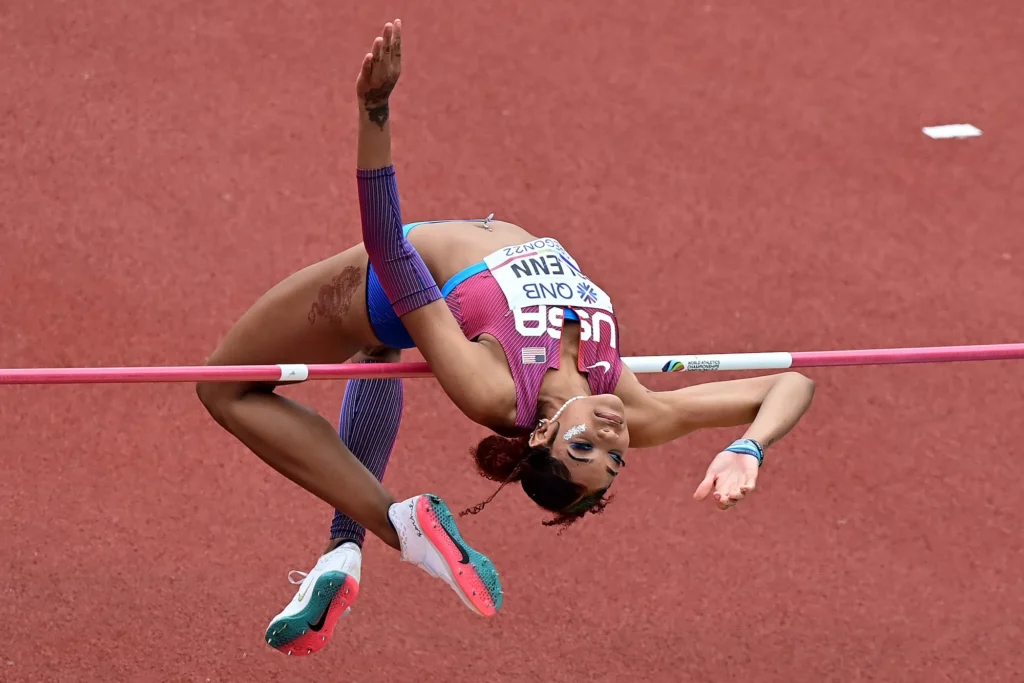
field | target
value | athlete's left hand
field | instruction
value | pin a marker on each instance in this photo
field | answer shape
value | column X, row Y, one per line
column 381, row 67
column 731, row 476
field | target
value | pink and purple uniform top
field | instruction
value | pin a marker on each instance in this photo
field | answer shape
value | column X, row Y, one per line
column 492, row 297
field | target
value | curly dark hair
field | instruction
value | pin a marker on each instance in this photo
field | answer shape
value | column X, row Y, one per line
column 544, row 478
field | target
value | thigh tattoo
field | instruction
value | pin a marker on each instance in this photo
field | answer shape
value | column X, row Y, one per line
column 333, row 300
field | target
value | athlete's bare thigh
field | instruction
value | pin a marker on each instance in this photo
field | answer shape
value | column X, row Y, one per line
column 316, row 315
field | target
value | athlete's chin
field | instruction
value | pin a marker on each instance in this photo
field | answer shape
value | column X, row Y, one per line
column 612, row 419
column 610, row 406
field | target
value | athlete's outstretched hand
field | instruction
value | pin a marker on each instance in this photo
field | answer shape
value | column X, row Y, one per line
column 379, row 73
column 731, row 476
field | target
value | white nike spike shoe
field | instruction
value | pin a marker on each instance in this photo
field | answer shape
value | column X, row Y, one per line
column 431, row 541
column 325, row 594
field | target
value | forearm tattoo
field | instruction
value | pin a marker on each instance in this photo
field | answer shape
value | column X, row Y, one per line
column 376, row 104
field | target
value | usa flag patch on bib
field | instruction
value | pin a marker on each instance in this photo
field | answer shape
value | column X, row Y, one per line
column 534, row 355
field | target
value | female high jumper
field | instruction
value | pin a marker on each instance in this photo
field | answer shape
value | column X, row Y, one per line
column 520, row 340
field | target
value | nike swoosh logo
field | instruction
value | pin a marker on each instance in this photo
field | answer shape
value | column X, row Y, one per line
column 322, row 620
column 604, row 365
column 465, row 555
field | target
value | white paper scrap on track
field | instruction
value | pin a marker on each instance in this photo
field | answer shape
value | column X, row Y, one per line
column 951, row 131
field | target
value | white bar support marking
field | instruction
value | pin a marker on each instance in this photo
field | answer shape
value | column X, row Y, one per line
column 293, row 372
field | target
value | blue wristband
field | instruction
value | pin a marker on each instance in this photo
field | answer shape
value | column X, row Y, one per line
column 748, row 447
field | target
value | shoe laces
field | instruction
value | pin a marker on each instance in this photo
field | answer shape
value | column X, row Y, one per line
column 296, row 577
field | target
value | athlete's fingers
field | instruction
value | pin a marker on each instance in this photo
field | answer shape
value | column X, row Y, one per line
column 704, row 488
column 387, row 34
column 728, row 492
column 726, row 483
column 730, row 497
column 396, row 40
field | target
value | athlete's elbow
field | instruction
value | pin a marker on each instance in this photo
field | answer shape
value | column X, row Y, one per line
column 799, row 378
column 802, row 383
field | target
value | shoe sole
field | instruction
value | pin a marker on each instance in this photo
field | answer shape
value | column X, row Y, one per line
column 308, row 630
column 476, row 580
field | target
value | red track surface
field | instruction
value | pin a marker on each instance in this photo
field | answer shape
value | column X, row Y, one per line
column 742, row 176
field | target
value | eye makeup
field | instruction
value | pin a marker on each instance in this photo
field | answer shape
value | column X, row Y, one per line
column 614, row 456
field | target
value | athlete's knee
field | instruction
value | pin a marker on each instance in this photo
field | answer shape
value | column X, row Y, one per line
column 217, row 398
column 209, row 397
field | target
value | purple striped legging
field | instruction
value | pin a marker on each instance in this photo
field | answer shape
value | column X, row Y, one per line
column 370, row 414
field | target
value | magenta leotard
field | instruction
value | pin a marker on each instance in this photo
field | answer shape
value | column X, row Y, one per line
column 480, row 307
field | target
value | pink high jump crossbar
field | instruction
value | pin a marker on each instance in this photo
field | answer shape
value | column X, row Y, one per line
column 297, row 372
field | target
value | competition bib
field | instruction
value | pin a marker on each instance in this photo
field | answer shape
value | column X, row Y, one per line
column 542, row 273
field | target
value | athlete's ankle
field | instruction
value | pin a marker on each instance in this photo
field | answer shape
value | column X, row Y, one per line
column 336, row 543
column 393, row 539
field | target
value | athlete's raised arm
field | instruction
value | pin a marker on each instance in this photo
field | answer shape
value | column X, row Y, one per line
column 377, row 79
column 771, row 405
column 460, row 366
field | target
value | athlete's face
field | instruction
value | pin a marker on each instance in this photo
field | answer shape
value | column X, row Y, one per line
column 591, row 438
